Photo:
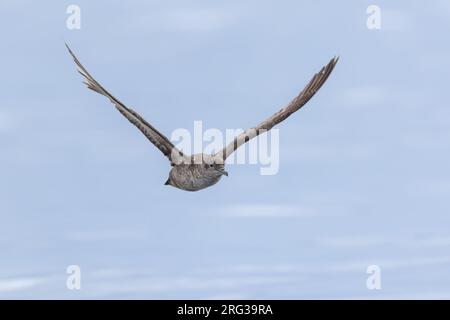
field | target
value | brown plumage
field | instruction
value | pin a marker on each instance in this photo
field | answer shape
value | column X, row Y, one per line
column 299, row 101
column 199, row 171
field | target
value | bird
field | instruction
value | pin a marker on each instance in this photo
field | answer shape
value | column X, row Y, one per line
column 200, row 171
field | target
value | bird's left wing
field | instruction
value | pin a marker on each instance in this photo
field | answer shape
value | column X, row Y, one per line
column 155, row 137
column 304, row 96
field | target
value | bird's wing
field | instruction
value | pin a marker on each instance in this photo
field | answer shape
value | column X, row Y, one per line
column 311, row 88
column 155, row 137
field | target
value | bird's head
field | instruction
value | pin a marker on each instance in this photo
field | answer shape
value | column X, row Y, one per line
column 214, row 170
column 202, row 169
column 212, row 166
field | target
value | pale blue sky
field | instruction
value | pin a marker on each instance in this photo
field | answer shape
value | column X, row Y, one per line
column 364, row 176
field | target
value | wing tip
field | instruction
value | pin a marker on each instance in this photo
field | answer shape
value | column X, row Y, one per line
column 335, row 60
column 70, row 50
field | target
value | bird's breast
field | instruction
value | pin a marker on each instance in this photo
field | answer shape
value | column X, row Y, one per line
column 191, row 178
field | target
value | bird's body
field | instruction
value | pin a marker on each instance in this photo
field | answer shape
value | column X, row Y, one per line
column 199, row 171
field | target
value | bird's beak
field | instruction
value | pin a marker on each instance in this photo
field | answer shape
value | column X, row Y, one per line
column 222, row 172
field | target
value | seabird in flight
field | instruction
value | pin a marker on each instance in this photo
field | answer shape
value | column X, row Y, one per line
column 199, row 171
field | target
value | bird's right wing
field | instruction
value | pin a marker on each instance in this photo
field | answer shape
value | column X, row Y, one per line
column 155, row 137
column 302, row 98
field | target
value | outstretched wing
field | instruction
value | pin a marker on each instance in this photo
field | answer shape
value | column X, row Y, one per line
column 155, row 137
column 307, row 93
